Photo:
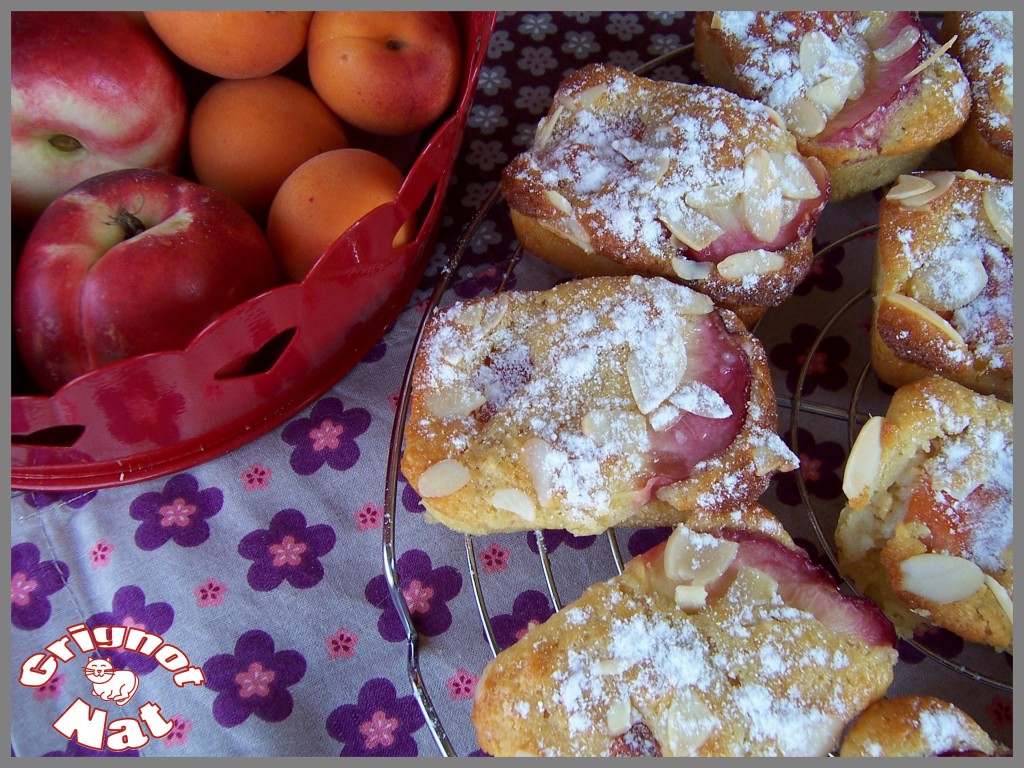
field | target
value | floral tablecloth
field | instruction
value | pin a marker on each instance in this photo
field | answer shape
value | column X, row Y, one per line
column 264, row 567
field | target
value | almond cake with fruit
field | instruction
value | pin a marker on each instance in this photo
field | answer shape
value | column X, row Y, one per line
column 868, row 93
column 927, row 530
column 628, row 175
column 600, row 402
column 943, row 281
column 984, row 47
column 725, row 640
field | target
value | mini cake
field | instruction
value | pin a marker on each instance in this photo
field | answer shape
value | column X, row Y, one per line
column 927, row 530
column 984, row 47
column 943, row 282
column 602, row 401
column 725, row 640
column 627, row 175
column 918, row 726
column 869, row 93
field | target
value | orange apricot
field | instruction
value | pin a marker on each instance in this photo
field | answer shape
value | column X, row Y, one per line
column 322, row 198
column 233, row 44
column 247, row 136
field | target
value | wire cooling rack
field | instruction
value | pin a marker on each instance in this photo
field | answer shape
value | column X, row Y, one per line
column 865, row 397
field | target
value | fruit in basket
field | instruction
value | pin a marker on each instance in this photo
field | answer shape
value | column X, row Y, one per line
column 90, row 92
column 233, row 44
column 385, row 72
column 129, row 262
column 246, row 136
column 322, row 198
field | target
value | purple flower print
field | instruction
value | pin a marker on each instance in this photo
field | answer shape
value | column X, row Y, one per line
column 376, row 353
column 411, row 500
column 488, row 280
column 73, row 499
column 254, row 680
column 129, row 609
column 427, row 591
column 826, row 367
column 342, row 644
column 553, row 539
column 824, row 274
column 74, row 749
column 288, row 550
column 179, row 512
column 327, row 436
column 530, row 607
column 820, row 466
column 1001, row 711
column 380, row 724
column 646, row 539
column 32, row 583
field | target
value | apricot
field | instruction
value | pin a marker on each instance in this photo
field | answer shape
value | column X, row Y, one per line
column 247, row 136
column 233, row 44
column 386, row 72
column 322, row 198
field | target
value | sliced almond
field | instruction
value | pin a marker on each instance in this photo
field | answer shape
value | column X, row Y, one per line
column 654, row 373
column 795, row 179
column 940, row 578
column 816, row 50
column 930, row 60
column 712, row 196
column 483, row 316
column 558, row 200
column 923, row 314
column 700, row 399
column 804, row 118
column 690, row 597
column 908, row 185
column 697, row 558
column 762, row 198
column 570, row 229
column 541, row 461
column 716, row 20
column 664, row 416
column 998, row 203
column 656, row 167
column 626, row 430
column 759, row 262
column 864, row 462
column 618, row 717
column 515, row 501
column 752, row 587
column 453, row 402
column 546, row 127
column 932, row 284
column 588, row 97
column 692, row 270
column 903, row 42
column 830, row 94
column 442, row 479
column 689, row 226
column 686, row 725
column 1001, row 595
column 943, row 181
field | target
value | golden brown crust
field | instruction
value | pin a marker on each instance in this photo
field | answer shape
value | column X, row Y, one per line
column 662, row 148
column 943, row 280
column 936, row 478
column 916, row 726
column 625, row 670
column 934, row 111
column 531, row 436
column 984, row 47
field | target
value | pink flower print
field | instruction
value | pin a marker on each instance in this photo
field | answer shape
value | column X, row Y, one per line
column 378, row 731
column 462, row 685
column 1001, row 710
column 50, row 690
column 495, row 558
column 129, row 622
column 369, row 517
column 210, row 593
column 254, row 680
column 99, row 555
column 22, row 588
column 417, row 596
column 342, row 644
column 178, row 735
column 256, row 478
column 529, row 625
column 287, row 552
column 176, row 513
column 810, row 468
column 325, row 435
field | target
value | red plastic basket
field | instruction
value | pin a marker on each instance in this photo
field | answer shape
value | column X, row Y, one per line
column 260, row 363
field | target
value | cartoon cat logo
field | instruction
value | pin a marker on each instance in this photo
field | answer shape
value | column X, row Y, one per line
column 109, row 684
